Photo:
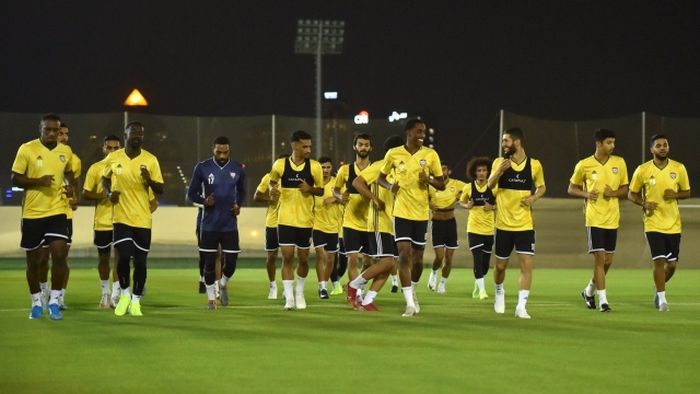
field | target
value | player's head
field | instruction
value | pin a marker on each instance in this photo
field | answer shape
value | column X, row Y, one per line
column 446, row 170
column 49, row 127
column 392, row 142
column 326, row 165
column 479, row 169
column 415, row 131
column 604, row 141
column 301, row 144
column 659, row 146
column 221, row 148
column 110, row 144
column 513, row 141
column 63, row 133
column 133, row 134
column 362, row 144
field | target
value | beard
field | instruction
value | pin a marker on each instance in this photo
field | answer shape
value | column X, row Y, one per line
column 135, row 143
column 660, row 157
column 362, row 154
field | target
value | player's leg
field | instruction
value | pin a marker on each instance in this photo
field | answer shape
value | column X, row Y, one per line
column 437, row 264
column 32, row 235
column 230, row 247
column 271, row 247
column 142, row 244
column 44, row 274
column 103, row 257
column 124, row 246
column 504, row 246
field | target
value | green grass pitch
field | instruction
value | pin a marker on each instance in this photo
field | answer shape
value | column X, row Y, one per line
column 456, row 344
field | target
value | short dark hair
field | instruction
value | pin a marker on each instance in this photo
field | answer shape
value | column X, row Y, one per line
column 113, row 137
column 133, row 123
column 516, row 133
column 411, row 123
column 392, row 142
column 64, row 125
column 601, row 135
column 475, row 163
column 362, row 136
column 325, row 159
column 655, row 137
column 221, row 140
column 50, row 116
column 300, row 135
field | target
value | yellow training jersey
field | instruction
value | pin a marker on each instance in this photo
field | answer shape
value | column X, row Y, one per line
column 355, row 215
column 512, row 214
column 590, row 174
column 327, row 216
column 651, row 182
column 35, row 160
column 76, row 168
column 412, row 198
column 272, row 206
column 296, row 209
column 446, row 199
column 103, row 207
column 379, row 221
column 479, row 220
column 133, row 208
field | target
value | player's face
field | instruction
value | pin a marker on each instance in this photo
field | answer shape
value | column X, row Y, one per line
column 446, row 171
column 417, row 134
column 63, row 135
column 302, row 148
column 508, row 146
column 607, row 145
column 660, row 149
column 134, row 136
column 221, row 153
column 327, row 169
column 362, row 147
column 482, row 173
column 110, row 146
column 49, row 131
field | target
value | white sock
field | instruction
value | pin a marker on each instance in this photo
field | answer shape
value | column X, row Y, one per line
column 369, row 298
column 273, row 284
column 55, row 294
column 63, row 293
column 443, row 281
column 480, row 284
column 336, row 284
column 288, row 293
column 522, row 298
column 434, row 273
column 662, row 297
column 201, row 279
column 414, row 285
column 602, row 297
column 135, row 298
column 322, row 285
column 211, row 292
column 408, row 296
column 394, row 280
column 43, row 286
column 300, row 284
column 499, row 288
column 115, row 288
column 590, row 288
column 358, row 282
column 224, row 280
column 36, row 299
column 105, row 286
column 126, row 292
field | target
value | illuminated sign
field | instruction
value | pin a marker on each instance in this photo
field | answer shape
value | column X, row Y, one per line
column 396, row 116
column 330, row 95
column 362, row 117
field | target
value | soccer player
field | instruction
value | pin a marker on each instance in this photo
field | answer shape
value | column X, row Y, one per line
column 327, row 216
column 40, row 167
column 355, row 236
column 381, row 227
column 601, row 180
column 444, row 227
column 218, row 184
column 480, row 202
column 515, row 174
column 415, row 167
column 300, row 179
column 128, row 175
column 656, row 186
column 93, row 191
column 262, row 194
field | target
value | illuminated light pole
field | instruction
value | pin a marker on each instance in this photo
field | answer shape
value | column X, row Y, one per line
column 135, row 99
column 319, row 37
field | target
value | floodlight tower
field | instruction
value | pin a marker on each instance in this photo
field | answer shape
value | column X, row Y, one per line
column 319, row 37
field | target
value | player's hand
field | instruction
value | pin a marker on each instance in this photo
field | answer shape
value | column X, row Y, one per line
column 114, row 197
column 505, row 165
column 488, row 207
column 423, row 178
column 608, row 192
column 45, row 180
column 236, row 209
column 432, row 206
column 378, row 204
column 468, row 205
column 649, row 207
column 68, row 191
column 593, row 195
column 274, row 193
column 345, row 197
column 305, row 187
column 209, row 201
column 395, row 188
column 145, row 174
column 670, row 194
column 529, row 201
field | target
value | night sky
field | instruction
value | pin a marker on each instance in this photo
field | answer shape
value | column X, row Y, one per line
column 455, row 64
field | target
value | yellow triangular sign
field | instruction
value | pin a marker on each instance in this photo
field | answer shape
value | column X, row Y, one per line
column 135, row 99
